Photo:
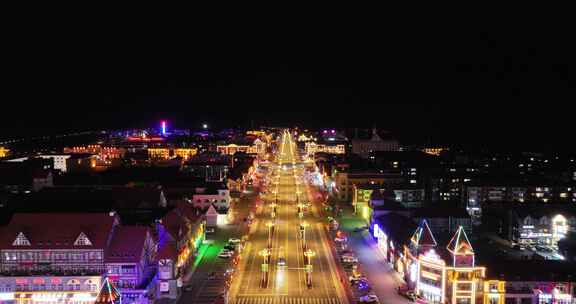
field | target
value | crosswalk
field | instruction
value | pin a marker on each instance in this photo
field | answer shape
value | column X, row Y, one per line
column 283, row 300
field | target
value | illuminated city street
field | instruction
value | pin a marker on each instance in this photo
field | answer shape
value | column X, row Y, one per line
column 280, row 219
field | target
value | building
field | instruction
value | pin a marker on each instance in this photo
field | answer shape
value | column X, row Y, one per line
column 209, row 166
column 345, row 181
column 66, row 258
column 536, row 224
column 409, row 195
column 257, row 147
column 4, row 152
column 363, row 147
column 530, row 282
column 436, row 274
column 444, row 220
column 180, row 234
column 216, row 194
column 134, row 205
column 105, row 156
column 312, row 147
column 66, row 162
column 167, row 153
column 485, row 191
column 26, row 176
column 130, row 263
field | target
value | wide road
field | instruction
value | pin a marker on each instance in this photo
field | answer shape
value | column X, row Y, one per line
column 287, row 284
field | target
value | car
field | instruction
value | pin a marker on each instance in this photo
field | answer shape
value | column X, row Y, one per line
column 371, row 298
column 209, row 230
column 281, row 261
column 225, row 254
column 234, row 240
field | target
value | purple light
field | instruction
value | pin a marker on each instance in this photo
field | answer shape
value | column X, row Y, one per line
column 325, row 131
column 333, row 131
column 163, row 123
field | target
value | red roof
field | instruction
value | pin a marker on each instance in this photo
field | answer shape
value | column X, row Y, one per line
column 127, row 244
column 57, row 230
column 168, row 249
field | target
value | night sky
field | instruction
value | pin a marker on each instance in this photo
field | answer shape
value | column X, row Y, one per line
column 486, row 86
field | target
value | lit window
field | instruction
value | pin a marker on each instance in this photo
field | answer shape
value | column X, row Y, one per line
column 412, row 181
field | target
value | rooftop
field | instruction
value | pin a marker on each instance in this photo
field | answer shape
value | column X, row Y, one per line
column 127, row 244
column 57, row 231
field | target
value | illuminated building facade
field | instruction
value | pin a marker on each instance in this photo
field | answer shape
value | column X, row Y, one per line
column 363, row 147
column 312, row 148
column 68, row 262
column 436, row 275
column 530, row 282
column 258, row 147
column 434, row 150
column 167, row 153
column 345, row 181
column 536, row 224
column 4, row 152
column 180, row 233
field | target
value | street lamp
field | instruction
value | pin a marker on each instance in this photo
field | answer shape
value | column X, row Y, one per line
column 300, row 209
column 270, row 226
column 265, row 253
column 303, row 226
column 309, row 254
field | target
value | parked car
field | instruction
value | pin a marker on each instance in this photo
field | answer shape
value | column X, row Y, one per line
column 371, row 298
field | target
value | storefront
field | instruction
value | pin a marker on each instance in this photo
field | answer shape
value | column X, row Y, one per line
column 431, row 277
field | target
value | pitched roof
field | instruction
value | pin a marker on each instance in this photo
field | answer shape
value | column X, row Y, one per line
column 423, row 236
column 167, row 247
column 56, row 230
column 459, row 244
column 127, row 244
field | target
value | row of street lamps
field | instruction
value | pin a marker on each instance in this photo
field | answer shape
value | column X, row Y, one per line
column 266, row 253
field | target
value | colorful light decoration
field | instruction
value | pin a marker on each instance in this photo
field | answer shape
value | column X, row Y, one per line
column 108, row 294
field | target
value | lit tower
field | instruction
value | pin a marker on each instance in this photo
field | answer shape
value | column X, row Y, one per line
column 163, row 127
column 464, row 277
column 421, row 242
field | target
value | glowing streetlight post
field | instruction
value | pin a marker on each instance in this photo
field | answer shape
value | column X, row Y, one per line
column 309, row 254
column 273, row 213
column 270, row 226
column 300, row 210
column 265, row 253
column 303, row 226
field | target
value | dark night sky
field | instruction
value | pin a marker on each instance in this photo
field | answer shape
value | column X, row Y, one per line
column 468, row 86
